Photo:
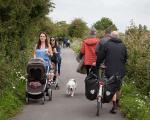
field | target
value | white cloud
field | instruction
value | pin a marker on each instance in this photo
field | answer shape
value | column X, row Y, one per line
column 119, row 11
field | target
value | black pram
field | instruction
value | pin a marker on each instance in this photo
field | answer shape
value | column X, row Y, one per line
column 37, row 81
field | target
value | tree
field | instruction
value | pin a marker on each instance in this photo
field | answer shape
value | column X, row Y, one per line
column 145, row 27
column 61, row 29
column 16, row 19
column 77, row 28
column 105, row 23
column 47, row 25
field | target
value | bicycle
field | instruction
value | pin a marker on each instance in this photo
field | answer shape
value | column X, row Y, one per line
column 101, row 89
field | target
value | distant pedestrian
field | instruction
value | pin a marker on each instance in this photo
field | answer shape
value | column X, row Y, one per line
column 88, row 49
column 65, row 42
column 59, row 58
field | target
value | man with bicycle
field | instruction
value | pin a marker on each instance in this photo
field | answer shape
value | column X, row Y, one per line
column 104, row 39
column 114, row 55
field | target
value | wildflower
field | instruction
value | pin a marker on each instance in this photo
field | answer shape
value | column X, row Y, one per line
column 22, row 77
column 133, row 82
column 145, row 97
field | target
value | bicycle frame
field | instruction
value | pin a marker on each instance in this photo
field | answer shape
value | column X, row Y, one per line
column 101, row 82
column 100, row 92
column 101, row 85
column 100, row 96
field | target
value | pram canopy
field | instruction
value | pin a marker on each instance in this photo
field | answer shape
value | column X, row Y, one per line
column 36, row 70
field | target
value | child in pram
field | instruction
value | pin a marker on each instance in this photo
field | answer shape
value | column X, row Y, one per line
column 53, row 80
column 51, row 73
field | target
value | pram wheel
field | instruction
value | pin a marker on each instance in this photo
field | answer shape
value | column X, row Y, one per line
column 27, row 100
column 42, row 100
column 44, row 96
column 49, row 92
column 57, row 86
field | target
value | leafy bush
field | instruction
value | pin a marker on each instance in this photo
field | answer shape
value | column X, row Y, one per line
column 76, row 44
column 134, row 105
column 9, row 104
column 77, row 28
column 138, row 68
column 20, row 22
column 136, row 89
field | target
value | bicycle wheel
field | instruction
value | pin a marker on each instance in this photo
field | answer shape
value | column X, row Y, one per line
column 99, row 105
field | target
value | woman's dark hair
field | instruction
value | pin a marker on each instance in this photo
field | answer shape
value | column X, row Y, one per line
column 55, row 45
column 39, row 41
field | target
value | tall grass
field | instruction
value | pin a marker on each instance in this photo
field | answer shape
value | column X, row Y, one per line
column 136, row 89
column 138, row 68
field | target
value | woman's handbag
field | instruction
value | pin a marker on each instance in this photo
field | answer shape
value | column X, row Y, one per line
column 79, row 57
column 81, row 67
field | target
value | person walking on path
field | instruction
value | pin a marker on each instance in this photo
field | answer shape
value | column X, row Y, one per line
column 56, row 58
column 59, row 58
column 114, row 53
column 43, row 50
column 88, row 47
column 103, row 40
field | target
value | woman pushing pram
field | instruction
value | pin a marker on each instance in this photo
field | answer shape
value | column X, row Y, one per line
column 38, row 71
column 43, row 49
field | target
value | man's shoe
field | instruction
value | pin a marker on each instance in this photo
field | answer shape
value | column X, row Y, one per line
column 113, row 110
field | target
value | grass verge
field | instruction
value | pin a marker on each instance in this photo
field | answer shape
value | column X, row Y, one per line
column 134, row 105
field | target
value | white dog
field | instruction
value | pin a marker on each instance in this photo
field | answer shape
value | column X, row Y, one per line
column 71, row 87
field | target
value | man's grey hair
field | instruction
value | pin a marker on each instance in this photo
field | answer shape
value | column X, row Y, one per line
column 114, row 34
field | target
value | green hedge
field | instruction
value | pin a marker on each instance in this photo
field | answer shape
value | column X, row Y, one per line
column 76, row 44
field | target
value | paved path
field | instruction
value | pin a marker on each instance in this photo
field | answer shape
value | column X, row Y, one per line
column 67, row 108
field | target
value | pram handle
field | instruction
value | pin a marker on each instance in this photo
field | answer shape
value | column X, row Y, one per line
column 37, row 59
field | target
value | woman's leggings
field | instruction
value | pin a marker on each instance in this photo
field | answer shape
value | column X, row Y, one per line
column 58, row 67
column 88, row 67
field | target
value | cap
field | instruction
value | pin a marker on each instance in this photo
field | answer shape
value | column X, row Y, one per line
column 92, row 31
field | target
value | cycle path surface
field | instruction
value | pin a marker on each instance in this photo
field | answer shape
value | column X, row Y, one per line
column 67, row 108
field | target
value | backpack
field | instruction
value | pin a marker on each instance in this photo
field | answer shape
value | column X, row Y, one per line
column 91, row 86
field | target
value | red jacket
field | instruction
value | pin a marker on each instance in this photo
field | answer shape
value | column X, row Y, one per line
column 88, row 50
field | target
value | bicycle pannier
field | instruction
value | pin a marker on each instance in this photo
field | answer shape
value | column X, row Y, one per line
column 111, row 86
column 91, row 86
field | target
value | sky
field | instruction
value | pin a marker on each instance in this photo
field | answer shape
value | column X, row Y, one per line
column 121, row 12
